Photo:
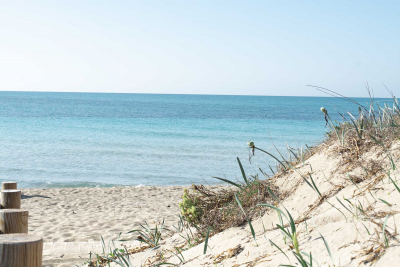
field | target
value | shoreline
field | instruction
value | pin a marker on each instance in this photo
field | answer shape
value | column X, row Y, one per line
column 94, row 185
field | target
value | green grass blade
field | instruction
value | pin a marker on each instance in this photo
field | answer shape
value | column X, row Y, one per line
column 377, row 141
column 384, row 233
column 344, row 206
column 227, row 181
column 284, row 231
column 146, row 240
column 348, row 175
column 122, row 258
column 292, row 224
column 358, row 132
column 157, row 236
column 385, row 202
column 354, row 120
column 252, row 231
column 305, row 180
column 348, row 201
column 280, row 218
column 147, row 228
column 327, row 247
column 398, row 189
column 206, row 241
column 272, row 194
column 310, row 257
column 366, row 229
column 263, row 173
column 275, row 208
column 181, row 258
column 103, row 245
column 272, row 243
column 251, row 226
column 300, row 259
column 271, row 169
column 338, row 210
column 294, row 154
column 243, row 173
column 315, row 187
column 284, row 167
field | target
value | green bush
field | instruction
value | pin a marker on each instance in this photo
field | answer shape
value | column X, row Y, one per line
column 190, row 207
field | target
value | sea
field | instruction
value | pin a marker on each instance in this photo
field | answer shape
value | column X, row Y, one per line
column 57, row 140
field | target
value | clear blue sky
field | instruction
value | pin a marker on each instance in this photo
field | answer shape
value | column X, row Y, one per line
column 200, row 47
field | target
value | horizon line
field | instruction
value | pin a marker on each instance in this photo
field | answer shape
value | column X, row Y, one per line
column 88, row 92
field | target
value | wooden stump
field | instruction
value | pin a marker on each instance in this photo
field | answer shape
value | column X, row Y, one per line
column 13, row 221
column 8, row 185
column 11, row 199
column 21, row 250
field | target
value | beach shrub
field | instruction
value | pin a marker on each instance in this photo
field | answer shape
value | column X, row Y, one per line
column 190, row 208
column 216, row 208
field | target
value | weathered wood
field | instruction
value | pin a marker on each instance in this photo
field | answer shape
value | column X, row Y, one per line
column 11, row 199
column 13, row 221
column 21, row 250
column 8, row 185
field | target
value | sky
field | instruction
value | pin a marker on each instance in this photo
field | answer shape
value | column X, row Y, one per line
column 200, row 47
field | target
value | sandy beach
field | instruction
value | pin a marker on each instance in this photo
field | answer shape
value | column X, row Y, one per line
column 86, row 214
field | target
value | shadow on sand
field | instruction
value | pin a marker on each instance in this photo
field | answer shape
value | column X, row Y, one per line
column 26, row 197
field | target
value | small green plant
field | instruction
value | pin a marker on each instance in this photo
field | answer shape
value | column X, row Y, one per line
column 248, row 220
column 190, row 207
column 386, row 241
column 394, row 183
column 334, row 127
column 148, row 235
column 273, row 244
column 184, row 229
column 119, row 256
column 206, row 241
column 123, row 259
column 179, row 255
column 292, row 233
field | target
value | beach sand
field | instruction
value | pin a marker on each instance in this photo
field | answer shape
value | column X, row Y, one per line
column 86, row 214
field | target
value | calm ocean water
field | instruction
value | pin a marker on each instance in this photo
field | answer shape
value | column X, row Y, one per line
column 81, row 139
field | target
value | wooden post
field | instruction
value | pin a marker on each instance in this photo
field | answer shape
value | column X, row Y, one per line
column 21, row 250
column 13, row 221
column 11, row 199
column 8, row 185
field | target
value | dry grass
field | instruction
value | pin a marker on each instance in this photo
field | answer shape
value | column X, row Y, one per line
column 221, row 211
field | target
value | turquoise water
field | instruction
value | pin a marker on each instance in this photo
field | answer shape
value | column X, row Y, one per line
column 82, row 139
